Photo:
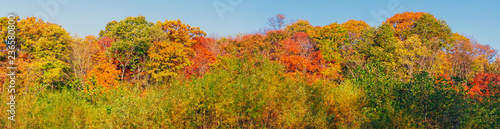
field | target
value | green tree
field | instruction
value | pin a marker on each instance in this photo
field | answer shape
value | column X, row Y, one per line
column 435, row 33
column 331, row 40
column 360, row 38
column 299, row 26
column 133, row 36
column 384, row 47
column 431, row 104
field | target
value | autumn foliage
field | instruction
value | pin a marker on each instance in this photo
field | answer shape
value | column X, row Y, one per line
column 206, row 51
column 411, row 71
column 300, row 55
column 102, row 76
column 403, row 22
column 485, row 84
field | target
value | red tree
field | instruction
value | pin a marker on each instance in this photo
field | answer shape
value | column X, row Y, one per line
column 481, row 84
column 205, row 52
column 300, row 54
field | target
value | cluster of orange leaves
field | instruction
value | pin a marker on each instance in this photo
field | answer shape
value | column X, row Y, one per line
column 251, row 44
column 104, row 43
column 404, row 21
column 300, row 54
column 103, row 73
column 444, row 79
column 205, row 53
column 480, row 84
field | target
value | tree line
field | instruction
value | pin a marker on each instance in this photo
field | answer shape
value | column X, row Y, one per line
column 410, row 71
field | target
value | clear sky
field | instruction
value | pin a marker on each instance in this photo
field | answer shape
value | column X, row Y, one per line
column 476, row 19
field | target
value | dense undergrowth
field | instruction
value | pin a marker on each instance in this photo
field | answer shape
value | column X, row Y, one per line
column 256, row 93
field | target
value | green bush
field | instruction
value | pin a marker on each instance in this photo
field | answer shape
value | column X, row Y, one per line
column 484, row 113
column 431, row 105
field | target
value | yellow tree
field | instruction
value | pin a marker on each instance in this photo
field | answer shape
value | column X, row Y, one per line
column 44, row 51
column 443, row 65
column 167, row 59
column 4, row 55
column 179, row 32
column 412, row 55
column 483, row 55
column 355, row 28
column 299, row 26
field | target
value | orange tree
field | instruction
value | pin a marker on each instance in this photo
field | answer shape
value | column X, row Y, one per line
column 403, row 22
column 205, row 53
column 300, row 54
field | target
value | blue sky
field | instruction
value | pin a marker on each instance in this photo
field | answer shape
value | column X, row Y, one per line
column 478, row 20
